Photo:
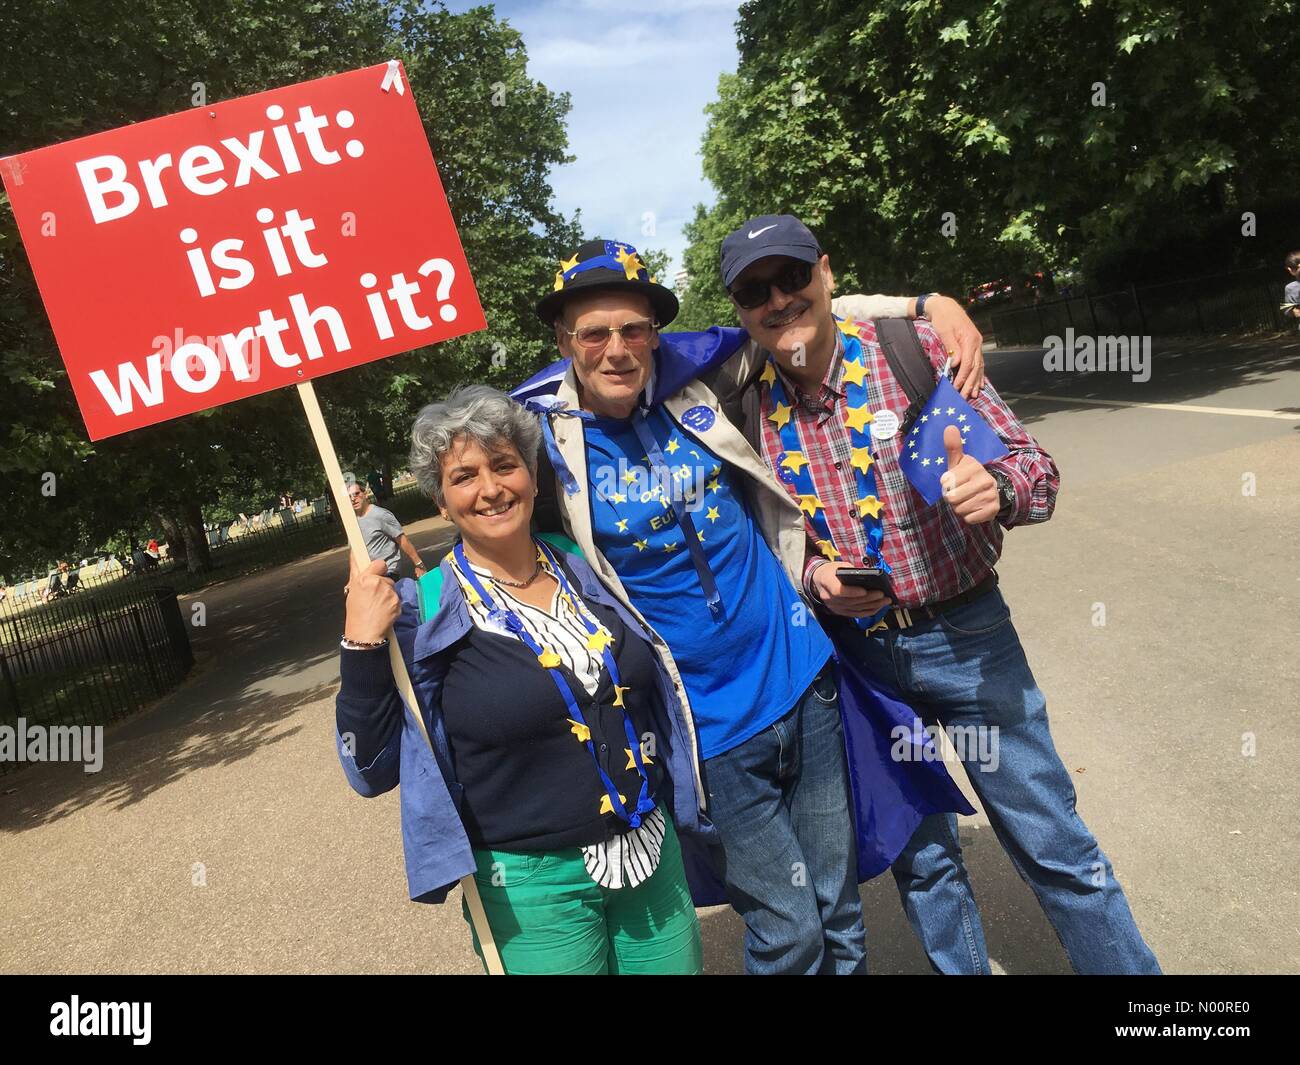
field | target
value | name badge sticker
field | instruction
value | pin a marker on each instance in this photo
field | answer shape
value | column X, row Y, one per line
column 700, row 418
column 884, row 424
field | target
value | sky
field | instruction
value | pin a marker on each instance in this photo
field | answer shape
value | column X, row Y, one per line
column 640, row 74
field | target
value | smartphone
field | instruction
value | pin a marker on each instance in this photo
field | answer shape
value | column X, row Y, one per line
column 867, row 577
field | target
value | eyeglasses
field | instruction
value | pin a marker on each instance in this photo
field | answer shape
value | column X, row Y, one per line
column 791, row 278
column 634, row 334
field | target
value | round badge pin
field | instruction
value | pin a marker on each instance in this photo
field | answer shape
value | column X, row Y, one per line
column 884, row 424
column 699, row 418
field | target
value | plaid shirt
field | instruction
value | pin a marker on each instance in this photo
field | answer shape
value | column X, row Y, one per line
column 933, row 553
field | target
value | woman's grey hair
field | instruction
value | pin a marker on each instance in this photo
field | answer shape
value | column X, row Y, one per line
column 472, row 412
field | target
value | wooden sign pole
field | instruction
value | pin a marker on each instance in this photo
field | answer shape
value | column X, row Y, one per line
column 334, row 474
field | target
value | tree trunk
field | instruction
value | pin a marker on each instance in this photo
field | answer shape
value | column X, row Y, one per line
column 196, row 539
column 175, row 537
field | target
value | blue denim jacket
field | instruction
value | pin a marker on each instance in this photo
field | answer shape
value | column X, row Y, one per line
column 438, row 851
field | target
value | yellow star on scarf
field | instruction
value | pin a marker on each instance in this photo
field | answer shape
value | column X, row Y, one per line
column 712, row 484
column 851, row 328
column 618, row 497
column 579, row 730
column 878, row 626
column 471, row 596
column 548, row 658
column 857, row 418
column 641, row 545
column 607, row 807
column 829, row 550
column 794, row 460
column 768, row 376
column 861, row 459
column 780, row 416
column 622, row 525
column 871, row 505
column 810, row 504
column 631, row 762
column 854, row 372
column 619, row 689
column 711, row 513
column 629, row 477
column 599, row 640
column 673, row 446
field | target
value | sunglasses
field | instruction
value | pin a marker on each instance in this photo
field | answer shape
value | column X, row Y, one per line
column 793, row 277
column 634, row 334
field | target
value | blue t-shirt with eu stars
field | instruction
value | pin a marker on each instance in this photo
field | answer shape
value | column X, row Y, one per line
column 747, row 668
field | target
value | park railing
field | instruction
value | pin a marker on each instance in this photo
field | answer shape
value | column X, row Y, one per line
column 1242, row 302
column 89, row 658
column 272, row 537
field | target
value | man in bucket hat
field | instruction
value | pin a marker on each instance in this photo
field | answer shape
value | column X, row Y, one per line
column 678, row 516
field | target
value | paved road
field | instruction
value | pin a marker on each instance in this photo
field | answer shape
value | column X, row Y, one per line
column 221, row 837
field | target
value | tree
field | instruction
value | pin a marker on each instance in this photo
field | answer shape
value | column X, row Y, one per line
column 936, row 144
column 71, row 69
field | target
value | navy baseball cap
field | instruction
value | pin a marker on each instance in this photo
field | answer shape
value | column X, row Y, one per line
column 768, row 234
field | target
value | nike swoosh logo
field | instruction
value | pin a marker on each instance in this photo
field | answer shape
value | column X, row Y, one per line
column 760, row 232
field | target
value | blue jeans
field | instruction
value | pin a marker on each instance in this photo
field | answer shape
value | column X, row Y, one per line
column 780, row 803
column 966, row 671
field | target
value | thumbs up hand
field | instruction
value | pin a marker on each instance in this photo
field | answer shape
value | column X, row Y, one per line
column 968, row 488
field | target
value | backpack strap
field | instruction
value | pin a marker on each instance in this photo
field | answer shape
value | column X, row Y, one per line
column 908, row 362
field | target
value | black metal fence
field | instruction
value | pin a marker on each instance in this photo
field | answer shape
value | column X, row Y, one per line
column 1243, row 302
column 90, row 658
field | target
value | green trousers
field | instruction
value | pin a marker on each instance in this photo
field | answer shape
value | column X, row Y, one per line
column 549, row 917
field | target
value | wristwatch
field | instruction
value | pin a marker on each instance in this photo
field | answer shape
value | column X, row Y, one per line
column 1006, row 492
column 920, row 303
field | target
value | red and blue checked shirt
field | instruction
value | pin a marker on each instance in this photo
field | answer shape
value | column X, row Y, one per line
column 933, row 553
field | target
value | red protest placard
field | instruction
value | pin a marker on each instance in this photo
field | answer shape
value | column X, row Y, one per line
column 196, row 259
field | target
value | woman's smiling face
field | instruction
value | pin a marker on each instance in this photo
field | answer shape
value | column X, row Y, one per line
column 487, row 493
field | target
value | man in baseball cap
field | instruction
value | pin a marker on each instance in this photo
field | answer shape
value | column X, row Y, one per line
column 825, row 414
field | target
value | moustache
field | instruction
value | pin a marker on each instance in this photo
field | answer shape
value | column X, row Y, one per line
column 792, row 311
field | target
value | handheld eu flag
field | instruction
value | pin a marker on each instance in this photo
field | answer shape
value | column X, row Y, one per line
column 923, row 456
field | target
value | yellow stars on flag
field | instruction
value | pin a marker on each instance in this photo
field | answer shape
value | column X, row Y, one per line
column 712, row 514
column 810, row 505
column 712, row 484
column 618, row 497
column 870, row 505
column 861, row 459
column 673, row 446
column 607, row 807
column 599, row 640
column 829, row 550
column 768, row 376
column 581, row 731
column 794, row 460
column 640, row 545
column 548, row 658
column 858, row 418
column 622, row 524
column 670, row 547
column 854, row 372
column 700, row 536
column 619, row 689
column 780, row 416
column 631, row 762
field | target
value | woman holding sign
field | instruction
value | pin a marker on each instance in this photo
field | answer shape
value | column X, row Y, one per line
column 552, row 722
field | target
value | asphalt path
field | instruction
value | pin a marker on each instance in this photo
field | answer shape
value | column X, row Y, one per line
column 220, row 835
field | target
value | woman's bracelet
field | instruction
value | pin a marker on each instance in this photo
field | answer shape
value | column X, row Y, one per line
column 359, row 645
